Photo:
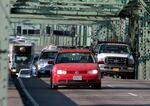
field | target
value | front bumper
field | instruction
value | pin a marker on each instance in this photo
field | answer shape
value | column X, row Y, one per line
column 69, row 80
column 116, row 69
column 44, row 72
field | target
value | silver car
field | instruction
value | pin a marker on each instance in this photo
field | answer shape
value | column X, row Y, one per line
column 42, row 65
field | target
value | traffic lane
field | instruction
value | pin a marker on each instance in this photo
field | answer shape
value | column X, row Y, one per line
column 125, row 83
column 108, row 97
column 114, row 92
column 43, row 95
column 114, row 95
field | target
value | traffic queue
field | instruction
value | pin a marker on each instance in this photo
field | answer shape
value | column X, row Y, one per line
column 72, row 65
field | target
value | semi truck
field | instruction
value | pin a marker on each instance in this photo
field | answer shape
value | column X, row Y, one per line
column 20, row 56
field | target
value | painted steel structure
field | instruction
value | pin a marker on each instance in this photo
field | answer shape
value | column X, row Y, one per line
column 144, row 41
column 4, row 25
column 93, row 19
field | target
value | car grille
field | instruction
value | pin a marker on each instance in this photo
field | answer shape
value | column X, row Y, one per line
column 116, row 61
column 76, row 72
column 80, row 81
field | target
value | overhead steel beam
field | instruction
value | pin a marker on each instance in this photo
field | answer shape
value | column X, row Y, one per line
column 64, row 12
column 58, row 20
column 69, row 7
column 77, row 1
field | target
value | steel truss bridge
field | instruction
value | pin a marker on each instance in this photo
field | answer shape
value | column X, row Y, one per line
column 103, row 17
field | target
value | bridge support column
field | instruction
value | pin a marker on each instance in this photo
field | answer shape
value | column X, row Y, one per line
column 4, row 24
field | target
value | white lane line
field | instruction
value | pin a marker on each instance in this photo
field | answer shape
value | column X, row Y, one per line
column 110, row 86
column 132, row 94
column 27, row 93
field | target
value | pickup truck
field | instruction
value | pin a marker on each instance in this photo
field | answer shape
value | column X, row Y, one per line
column 115, row 59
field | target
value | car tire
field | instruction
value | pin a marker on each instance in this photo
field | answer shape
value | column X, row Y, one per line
column 38, row 75
column 96, row 86
column 131, row 76
column 52, row 85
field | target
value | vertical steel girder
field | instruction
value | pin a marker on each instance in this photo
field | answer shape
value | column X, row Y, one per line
column 142, row 33
column 4, row 24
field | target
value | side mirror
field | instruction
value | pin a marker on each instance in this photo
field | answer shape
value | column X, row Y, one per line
column 96, row 53
column 50, row 62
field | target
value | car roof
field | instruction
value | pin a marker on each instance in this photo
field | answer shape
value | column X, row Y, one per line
column 114, row 44
column 49, row 51
column 109, row 42
column 24, row 69
column 73, row 50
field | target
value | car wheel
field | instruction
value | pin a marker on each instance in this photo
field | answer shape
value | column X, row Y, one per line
column 96, row 86
column 52, row 85
column 131, row 76
column 38, row 75
column 123, row 76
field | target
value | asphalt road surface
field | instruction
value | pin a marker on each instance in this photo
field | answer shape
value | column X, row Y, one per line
column 114, row 92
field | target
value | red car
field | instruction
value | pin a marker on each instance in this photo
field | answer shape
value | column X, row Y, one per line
column 75, row 67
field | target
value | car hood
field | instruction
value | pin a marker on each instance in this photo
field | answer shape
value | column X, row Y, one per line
column 103, row 55
column 45, row 60
column 76, row 66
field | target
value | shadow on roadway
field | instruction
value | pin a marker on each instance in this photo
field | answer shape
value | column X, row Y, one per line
column 45, row 96
column 42, row 94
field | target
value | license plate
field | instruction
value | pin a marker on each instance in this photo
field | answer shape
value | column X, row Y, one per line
column 115, row 69
column 77, row 78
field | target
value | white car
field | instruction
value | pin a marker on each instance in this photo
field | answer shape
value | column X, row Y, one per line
column 24, row 73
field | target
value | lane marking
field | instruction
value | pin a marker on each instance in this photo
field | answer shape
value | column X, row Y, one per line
column 132, row 94
column 110, row 86
column 27, row 93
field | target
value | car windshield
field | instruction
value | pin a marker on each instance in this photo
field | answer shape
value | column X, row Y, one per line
column 75, row 58
column 48, row 55
column 25, row 72
column 35, row 59
column 114, row 49
column 48, row 67
column 20, row 58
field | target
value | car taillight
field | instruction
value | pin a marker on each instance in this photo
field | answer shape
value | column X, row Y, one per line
column 100, row 62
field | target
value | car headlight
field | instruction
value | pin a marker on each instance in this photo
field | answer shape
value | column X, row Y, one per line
column 39, row 66
column 14, row 70
column 33, row 67
column 93, row 72
column 61, row 72
column 131, row 60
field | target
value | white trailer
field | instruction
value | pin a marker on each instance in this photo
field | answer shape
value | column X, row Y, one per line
column 20, row 55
